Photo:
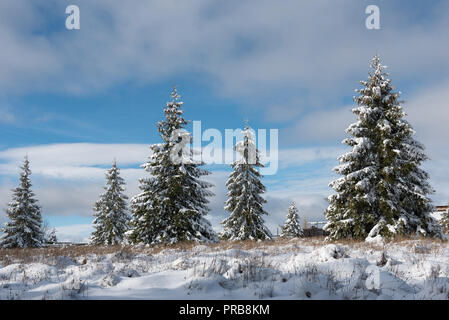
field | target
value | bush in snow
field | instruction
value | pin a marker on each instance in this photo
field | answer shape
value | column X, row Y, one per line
column 109, row 280
column 387, row 285
column 244, row 200
column 383, row 191
column 74, row 286
column 445, row 221
column 173, row 202
column 330, row 252
column 292, row 227
column 111, row 213
column 24, row 228
column 51, row 237
column 49, row 233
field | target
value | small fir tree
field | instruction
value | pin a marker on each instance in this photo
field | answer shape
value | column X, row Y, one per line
column 111, row 212
column 24, row 228
column 292, row 227
column 245, row 202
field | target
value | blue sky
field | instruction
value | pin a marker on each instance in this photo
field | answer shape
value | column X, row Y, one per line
column 74, row 100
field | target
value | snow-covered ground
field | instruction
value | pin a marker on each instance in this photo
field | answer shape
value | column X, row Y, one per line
column 295, row 269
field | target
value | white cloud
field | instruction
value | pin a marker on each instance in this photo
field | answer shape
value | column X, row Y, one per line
column 71, row 189
column 74, row 233
column 79, row 154
column 321, row 126
column 68, row 178
column 241, row 48
column 298, row 156
column 285, row 112
column 6, row 116
column 216, row 205
column 428, row 112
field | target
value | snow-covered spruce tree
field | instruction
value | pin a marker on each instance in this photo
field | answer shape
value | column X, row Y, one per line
column 24, row 228
column 383, row 191
column 173, row 202
column 245, row 203
column 111, row 212
column 292, row 227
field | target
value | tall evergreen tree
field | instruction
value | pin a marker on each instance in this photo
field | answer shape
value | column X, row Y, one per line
column 292, row 227
column 111, row 212
column 24, row 228
column 245, row 202
column 173, row 202
column 383, row 190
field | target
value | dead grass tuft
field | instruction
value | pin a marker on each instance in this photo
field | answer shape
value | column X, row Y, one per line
column 35, row 255
column 49, row 254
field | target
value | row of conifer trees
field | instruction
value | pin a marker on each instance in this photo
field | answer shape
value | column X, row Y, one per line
column 172, row 204
column 382, row 191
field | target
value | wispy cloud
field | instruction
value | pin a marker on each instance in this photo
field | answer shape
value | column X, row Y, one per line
column 6, row 115
column 69, row 177
column 75, row 154
column 322, row 125
column 296, row 157
column 74, row 233
column 245, row 49
column 428, row 112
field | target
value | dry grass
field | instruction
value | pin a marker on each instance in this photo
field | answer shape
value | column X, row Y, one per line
column 29, row 255
column 46, row 255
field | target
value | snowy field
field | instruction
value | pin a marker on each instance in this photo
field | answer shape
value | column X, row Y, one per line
column 295, row 269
